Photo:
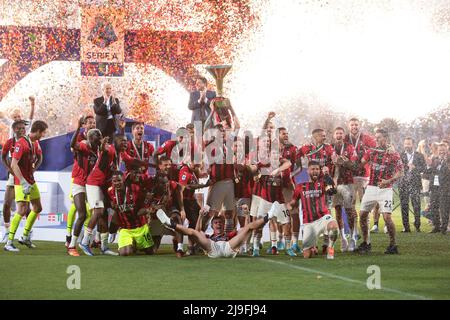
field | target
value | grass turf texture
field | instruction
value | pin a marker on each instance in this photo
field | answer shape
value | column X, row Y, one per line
column 421, row 271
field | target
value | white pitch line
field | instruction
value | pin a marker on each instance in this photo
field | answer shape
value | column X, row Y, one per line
column 331, row 275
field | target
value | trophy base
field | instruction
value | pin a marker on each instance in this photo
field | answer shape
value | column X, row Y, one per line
column 222, row 109
column 221, row 102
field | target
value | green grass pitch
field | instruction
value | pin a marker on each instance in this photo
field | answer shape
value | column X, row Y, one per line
column 421, row 271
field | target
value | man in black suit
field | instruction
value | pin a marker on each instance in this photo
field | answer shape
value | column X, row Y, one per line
column 200, row 100
column 106, row 108
column 410, row 184
column 439, row 172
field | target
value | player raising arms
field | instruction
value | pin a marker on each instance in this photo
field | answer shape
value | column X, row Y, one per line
column 316, row 217
column 86, row 123
column 385, row 168
column 219, row 244
column 343, row 178
column 86, row 156
column 126, row 200
column 24, row 163
column 97, row 183
column 7, row 152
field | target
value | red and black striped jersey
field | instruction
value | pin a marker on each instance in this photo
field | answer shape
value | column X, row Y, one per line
column 345, row 174
column 383, row 165
column 103, row 167
column 8, row 147
column 244, row 188
column 322, row 154
column 289, row 152
column 162, row 194
column 81, row 136
column 84, row 161
column 126, row 203
column 221, row 170
column 186, row 177
column 107, row 162
column 313, row 199
column 26, row 153
column 142, row 151
column 361, row 144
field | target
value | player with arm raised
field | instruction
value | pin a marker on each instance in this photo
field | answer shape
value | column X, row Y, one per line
column 316, row 216
column 97, row 184
column 25, row 161
column 86, row 156
column 386, row 167
column 84, row 125
column 342, row 174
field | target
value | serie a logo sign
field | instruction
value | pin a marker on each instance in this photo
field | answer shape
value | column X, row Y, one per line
column 102, row 34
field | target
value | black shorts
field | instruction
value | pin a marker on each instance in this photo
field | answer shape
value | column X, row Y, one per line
column 192, row 210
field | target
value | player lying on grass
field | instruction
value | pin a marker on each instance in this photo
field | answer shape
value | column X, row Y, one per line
column 218, row 244
column 316, row 217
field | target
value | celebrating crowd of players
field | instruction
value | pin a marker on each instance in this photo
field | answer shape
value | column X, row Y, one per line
column 250, row 183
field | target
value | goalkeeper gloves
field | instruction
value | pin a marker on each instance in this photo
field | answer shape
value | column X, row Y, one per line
column 26, row 187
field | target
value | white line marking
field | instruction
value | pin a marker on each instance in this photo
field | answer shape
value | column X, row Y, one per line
column 331, row 275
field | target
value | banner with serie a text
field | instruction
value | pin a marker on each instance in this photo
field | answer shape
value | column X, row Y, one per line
column 102, row 41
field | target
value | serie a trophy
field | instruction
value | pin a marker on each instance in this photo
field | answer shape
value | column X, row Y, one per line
column 222, row 105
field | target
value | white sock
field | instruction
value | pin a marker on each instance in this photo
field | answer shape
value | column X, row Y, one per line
column 342, row 233
column 256, row 242
column 287, row 241
column 9, row 242
column 180, row 246
column 294, row 238
column 280, row 237
column 104, row 240
column 73, row 242
column 86, row 236
column 355, row 234
column 273, row 238
column 7, row 228
column 98, row 236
